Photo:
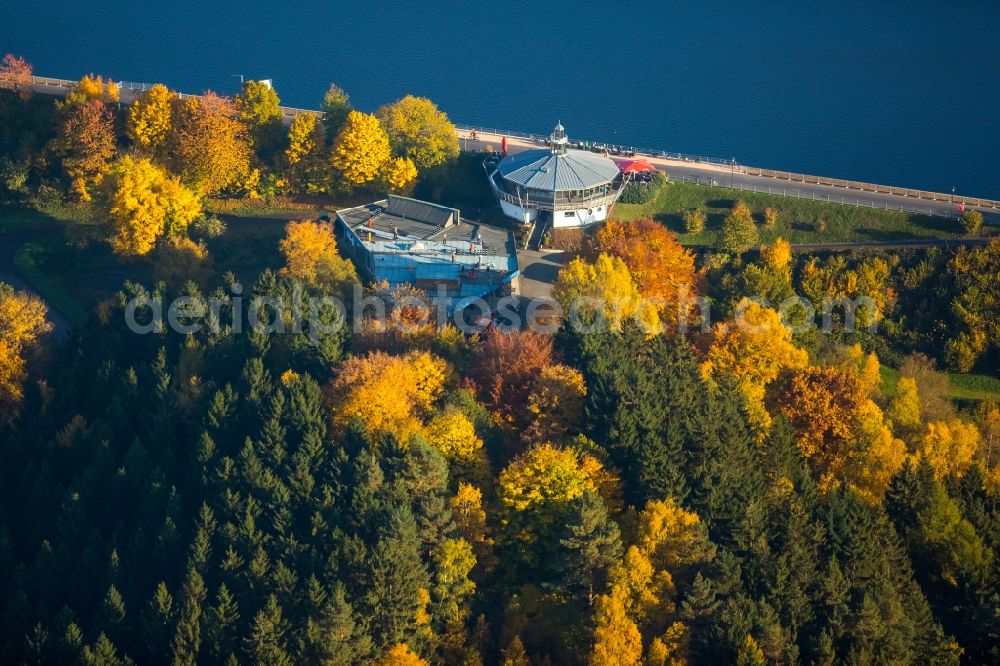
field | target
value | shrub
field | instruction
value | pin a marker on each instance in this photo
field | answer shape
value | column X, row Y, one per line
column 971, row 221
column 640, row 193
column 207, row 226
column 739, row 233
column 770, row 218
column 694, row 221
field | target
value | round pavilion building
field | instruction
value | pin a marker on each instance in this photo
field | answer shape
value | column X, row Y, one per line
column 573, row 188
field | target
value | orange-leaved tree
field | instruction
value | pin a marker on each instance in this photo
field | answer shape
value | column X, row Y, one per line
column 506, row 367
column 15, row 74
column 662, row 268
column 211, row 148
column 842, row 433
column 88, row 144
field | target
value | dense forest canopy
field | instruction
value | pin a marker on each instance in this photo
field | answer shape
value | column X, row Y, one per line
column 744, row 488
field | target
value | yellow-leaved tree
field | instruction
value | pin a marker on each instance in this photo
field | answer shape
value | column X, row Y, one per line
column 418, row 130
column 451, row 433
column 739, row 231
column 303, row 137
column 538, row 485
column 360, row 150
column 150, row 119
column 777, row 255
column 389, row 394
column 753, row 350
column 640, row 604
column 144, row 203
column 400, row 655
column 310, row 251
column 904, row 408
column 950, row 446
column 603, row 294
column 91, row 88
column 398, row 174
column 22, row 322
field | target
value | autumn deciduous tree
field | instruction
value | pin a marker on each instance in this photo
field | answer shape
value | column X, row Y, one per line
column 303, row 136
column 662, row 268
column 904, row 408
column 211, row 150
column 971, row 221
column 180, row 259
column 419, row 130
column 739, row 232
column 258, row 105
column 91, row 88
column 506, row 367
column 15, row 74
column 451, row 433
column 22, row 322
column 949, row 446
column 841, row 431
column 390, row 394
column 555, row 404
column 150, row 119
column 87, row 141
column 311, row 256
column 694, row 221
column 144, row 203
column 753, row 351
column 777, row 255
column 603, row 293
column 539, row 485
column 361, row 149
column 398, row 174
column 641, row 599
column 400, row 655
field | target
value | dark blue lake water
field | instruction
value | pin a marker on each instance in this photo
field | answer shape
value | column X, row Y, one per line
column 904, row 93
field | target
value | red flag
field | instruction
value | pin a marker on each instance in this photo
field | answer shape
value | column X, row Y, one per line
column 503, row 146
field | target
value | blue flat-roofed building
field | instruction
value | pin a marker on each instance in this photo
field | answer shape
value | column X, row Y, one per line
column 405, row 241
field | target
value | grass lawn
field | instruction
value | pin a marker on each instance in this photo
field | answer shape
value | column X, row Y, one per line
column 966, row 388
column 16, row 219
column 797, row 218
column 32, row 261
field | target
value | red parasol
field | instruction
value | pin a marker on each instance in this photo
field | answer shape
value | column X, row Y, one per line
column 503, row 146
column 634, row 166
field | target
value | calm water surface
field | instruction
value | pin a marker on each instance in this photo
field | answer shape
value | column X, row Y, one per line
column 902, row 93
